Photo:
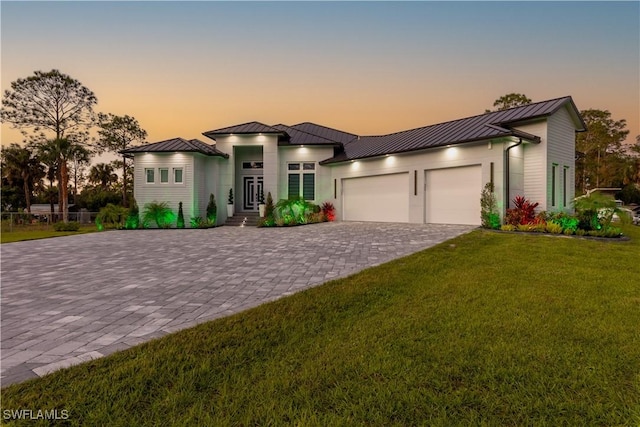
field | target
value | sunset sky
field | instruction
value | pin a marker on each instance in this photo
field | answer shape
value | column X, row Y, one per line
column 182, row 68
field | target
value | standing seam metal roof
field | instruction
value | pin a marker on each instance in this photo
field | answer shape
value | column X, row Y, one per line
column 177, row 144
column 476, row 128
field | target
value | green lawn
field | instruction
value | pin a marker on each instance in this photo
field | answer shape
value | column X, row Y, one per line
column 487, row 329
column 24, row 233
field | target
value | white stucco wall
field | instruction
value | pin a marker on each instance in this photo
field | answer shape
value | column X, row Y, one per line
column 417, row 163
column 324, row 183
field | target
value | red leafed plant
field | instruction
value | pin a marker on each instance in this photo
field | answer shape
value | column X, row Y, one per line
column 329, row 211
column 523, row 212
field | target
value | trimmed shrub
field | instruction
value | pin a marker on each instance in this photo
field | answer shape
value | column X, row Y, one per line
column 180, row 222
column 212, row 209
column 66, row 226
column 489, row 216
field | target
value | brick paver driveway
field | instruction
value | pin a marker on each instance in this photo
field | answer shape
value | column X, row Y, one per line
column 72, row 299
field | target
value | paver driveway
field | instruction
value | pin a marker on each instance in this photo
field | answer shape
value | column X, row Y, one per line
column 72, row 299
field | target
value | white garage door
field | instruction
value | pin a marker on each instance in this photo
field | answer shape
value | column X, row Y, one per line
column 452, row 196
column 383, row 198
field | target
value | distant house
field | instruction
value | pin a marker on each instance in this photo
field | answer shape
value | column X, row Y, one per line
column 432, row 174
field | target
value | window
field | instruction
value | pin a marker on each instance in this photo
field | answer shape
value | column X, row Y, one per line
column 177, row 175
column 252, row 165
column 149, row 172
column 554, row 178
column 164, row 175
column 565, row 190
column 305, row 174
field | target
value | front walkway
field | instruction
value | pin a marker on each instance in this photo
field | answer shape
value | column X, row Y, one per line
column 71, row 299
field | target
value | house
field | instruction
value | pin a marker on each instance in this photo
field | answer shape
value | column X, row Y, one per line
column 432, row 174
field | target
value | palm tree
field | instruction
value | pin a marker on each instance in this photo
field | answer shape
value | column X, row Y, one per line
column 21, row 164
column 102, row 174
column 57, row 153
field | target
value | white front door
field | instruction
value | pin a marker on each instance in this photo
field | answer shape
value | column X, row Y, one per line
column 251, row 187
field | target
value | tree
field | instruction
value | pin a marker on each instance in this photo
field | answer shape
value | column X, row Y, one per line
column 510, row 100
column 56, row 154
column 600, row 149
column 118, row 133
column 20, row 165
column 102, row 175
column 51, row 103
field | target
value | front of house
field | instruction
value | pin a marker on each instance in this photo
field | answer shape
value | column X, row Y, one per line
column 433, row 174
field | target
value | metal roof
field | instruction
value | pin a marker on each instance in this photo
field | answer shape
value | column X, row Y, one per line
column 325, row 132
column 477, row 128
column 299, row 137
column 245, row 128
column 177, row 144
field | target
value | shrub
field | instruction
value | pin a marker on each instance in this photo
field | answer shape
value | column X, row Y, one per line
column 261, row 197
column 160, row 213
column 269, row 207
column 568, row 231
column 111, row 216
column 554, row 228
column 489, row 216
column 329, row 211
column 595, row 211
column 212, row 209
column 66, row 226
column 523, row 212
column 524, row 227
column 180, row 223
column 508, row 227
column 230, row 198
column 294, row 210
column 580, row 232
column 133, row 218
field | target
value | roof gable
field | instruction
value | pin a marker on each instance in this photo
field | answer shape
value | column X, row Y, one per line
column 244, row 128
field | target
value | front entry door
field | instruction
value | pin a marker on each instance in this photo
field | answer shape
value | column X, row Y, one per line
column 251, row 186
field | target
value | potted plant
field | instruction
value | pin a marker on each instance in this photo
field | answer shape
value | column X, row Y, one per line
column 261, row 205
column 230, row 204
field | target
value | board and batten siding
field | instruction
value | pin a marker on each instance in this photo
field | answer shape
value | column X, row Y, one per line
column 165, row 192
column 561, row 151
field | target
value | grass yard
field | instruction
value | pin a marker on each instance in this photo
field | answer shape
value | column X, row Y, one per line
column 20, row 234
column 487, row 329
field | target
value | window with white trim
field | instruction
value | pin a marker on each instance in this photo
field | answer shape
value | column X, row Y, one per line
column 150, row 175
column 164, row 175
column 177, row 176
column 301, row 180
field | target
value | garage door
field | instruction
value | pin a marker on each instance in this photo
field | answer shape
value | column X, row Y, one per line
column 383, row 198
column 452, row 196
